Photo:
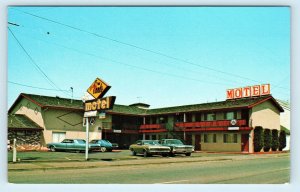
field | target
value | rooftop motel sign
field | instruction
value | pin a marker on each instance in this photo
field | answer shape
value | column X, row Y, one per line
column 249, row 91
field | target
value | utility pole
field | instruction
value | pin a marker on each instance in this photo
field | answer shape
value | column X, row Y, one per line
column 72, row 94
column 87, row 140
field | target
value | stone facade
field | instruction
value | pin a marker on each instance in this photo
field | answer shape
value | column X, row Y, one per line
column 25, row 139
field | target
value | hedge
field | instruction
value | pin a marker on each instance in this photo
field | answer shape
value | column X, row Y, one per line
column 282, row 140
column 258, row 139
column 275, row 140
column 267, row 140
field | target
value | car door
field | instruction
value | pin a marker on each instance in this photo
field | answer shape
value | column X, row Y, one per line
column 139, row 147
column 62, row 145
column 70, row 145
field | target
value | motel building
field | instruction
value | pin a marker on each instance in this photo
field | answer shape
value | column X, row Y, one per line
column 224, row 126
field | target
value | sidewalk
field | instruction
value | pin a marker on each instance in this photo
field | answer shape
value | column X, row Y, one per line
column 133, row 162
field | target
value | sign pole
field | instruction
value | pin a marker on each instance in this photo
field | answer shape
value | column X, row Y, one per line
column 87, row 140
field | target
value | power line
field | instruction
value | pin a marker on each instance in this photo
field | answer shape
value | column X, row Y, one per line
column 35, row 64
column 130, row 65
column 30, row 86
column 141, row 48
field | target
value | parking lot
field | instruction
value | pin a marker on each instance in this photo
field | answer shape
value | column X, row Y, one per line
column 47, row 156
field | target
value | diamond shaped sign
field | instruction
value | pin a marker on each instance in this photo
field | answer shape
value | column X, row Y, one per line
column 98, row 88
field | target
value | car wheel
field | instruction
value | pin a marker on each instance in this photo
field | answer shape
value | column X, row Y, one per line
column 146, row 154
column 164, row 155
column 171, row 154
column 52, row 148
column 103, row 149
column 188, row 154
column 133, row 152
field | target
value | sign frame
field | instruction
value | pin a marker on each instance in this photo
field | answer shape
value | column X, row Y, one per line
column 95, row 86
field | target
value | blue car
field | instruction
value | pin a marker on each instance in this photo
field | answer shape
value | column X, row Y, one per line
column 104, row 145
column 78, row 145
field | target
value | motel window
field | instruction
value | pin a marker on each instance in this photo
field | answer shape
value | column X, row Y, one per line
column 210, row 116
column 147, row 120
column 178, row 117
column 230, row 138
column 153, row 120
column 214, row 138
column 197, row 117
column 235, row 138
column 189, row 117
column 205, row 138
column 230, row 115
column 163, row 119
column 210, row 138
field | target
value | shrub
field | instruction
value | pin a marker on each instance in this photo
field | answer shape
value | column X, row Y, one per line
column 258, row 138
column 282, row 140
column 275, row 140
column 267, row 140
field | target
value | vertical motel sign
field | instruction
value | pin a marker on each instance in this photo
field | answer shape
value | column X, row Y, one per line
column 97, row 89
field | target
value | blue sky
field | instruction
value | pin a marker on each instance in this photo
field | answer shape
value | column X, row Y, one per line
column 163, row 56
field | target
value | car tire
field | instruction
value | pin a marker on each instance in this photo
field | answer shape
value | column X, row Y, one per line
column 164, row 155
column 188, row 154
column 133, row 152
column 146, row 154
column 52, row 149
column 171, row 154
column 103, row 149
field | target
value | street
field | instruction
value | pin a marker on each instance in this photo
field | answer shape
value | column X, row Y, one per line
column 235, row 169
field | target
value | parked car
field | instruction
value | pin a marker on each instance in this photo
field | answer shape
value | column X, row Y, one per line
column 149, row 147
column 104, row 145
column 177, row 147
column 72, row 145
column 115, row 145
column 8, row 146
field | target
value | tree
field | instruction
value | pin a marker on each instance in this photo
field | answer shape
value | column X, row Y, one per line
column 267, row 140
column 275, row 140
column 258, row 138
column 282, row 140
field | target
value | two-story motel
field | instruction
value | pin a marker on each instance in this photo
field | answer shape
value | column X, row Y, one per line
column 35, row 120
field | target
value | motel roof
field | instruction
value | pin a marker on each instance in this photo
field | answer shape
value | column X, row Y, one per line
column 18, row 121
column 68, row 104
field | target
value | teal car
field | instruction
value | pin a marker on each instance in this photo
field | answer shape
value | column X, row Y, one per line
column 72, row 145
column 104, row 145
column 177, row 147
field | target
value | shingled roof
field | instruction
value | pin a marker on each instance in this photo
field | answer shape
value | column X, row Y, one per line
column 222, row 105
column 66, row 103
column 17, row 121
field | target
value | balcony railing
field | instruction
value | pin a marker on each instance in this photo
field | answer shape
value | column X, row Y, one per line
column 210, row 125
column 153, row 128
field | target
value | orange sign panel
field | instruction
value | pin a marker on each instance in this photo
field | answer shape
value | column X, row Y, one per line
column 249, row 91
column 98, row 88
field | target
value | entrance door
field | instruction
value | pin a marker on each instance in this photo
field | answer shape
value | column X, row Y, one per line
column 197, row 142
column 188, row 139
column 245, row 142
column 57, row 137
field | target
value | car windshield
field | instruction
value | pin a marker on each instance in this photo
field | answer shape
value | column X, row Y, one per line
column 94, row 141
column 106, row 141
column 175, row 141
column 81, row 141
column 150, row 142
